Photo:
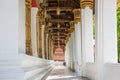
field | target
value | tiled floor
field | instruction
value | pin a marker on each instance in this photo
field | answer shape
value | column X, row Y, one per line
column 62, row 73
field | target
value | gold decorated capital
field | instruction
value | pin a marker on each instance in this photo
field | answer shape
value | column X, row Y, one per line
column 41, row 15
column 28, row 3
column 86, row 3
column 118, row 3
column 77, row 14
column 72, row 26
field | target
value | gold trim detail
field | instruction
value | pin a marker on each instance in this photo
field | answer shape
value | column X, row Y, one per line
column 72, row 25
column 28, row 27
column 76, row 15
column 39, row 35
column 86, row 3
column 118, row 3
column 45, row 35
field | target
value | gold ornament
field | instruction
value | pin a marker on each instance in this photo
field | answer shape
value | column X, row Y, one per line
column 76, row 15
column 86, row 3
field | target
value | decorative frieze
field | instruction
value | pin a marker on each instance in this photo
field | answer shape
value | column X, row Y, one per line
column 86, row 3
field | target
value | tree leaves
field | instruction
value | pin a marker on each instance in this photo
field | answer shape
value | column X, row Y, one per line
column 118, row 32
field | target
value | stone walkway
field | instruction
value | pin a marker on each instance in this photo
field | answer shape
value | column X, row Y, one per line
column 62, row 73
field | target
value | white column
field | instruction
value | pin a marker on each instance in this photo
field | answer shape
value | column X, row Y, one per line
column 74, row 51
column 34, row 31
column 106, row 34
column 67, row 55
column 70, row 48
column 43, row 54
column 87, row 37
column 78, row 47
column 47, row 53
column 107, row 37
column 87, row 34
column 10, row 62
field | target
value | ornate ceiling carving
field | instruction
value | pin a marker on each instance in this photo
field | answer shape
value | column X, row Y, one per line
column 61, row 16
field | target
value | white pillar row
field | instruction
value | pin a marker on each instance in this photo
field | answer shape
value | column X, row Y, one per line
column 43, row 53
column 78, row 47
column 87, row 37
column 106, row 34
column 10, row 18
column 34, row 31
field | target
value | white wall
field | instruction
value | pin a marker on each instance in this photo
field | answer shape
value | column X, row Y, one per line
column 10, row 18
column 8, row 27
column 21, row 29
column 112, row 72
column 34, row 31
column 10, row 62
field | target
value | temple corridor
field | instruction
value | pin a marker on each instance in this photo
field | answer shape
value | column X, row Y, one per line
column 59, row 40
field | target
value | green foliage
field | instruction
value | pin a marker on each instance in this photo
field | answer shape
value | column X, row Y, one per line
column 118, row 32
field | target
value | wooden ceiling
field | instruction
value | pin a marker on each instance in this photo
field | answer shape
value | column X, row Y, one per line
column 60, row 14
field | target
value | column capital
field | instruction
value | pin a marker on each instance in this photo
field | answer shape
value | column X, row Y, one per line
column 76, row 15
column 28, row 3
column 41, row 15
column 118, row 4
column 85, row 3
column 72, row 25
column 46, row 29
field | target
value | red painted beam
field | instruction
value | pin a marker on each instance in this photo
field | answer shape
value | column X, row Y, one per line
column 35, row 3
